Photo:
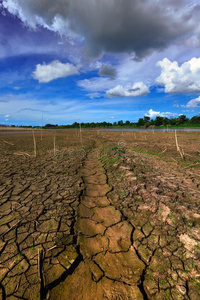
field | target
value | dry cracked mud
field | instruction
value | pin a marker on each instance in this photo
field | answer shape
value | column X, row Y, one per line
column 104, row 221
column 110, row 266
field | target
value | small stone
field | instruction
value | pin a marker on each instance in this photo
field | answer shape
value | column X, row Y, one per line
column 116, row 166
column 182, row 289
column 97, row 274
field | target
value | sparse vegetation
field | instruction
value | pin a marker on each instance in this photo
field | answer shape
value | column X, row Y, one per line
column 99, row 211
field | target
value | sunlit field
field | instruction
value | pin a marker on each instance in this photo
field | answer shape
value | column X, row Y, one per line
column 99, row 215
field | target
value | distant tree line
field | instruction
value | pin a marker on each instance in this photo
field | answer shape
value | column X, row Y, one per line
column 164, row 121
column 145, row 122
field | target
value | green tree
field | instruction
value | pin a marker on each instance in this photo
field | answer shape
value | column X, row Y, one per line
column 120, row 123
column 127, row 123
column 195, row 119
column 140, row 122
column 182, row 119
column 159, row 121
column 146, row 119
column 165, row 121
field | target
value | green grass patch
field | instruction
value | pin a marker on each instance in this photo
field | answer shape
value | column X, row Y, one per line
column 114, row 148
column 120, row 151
column 138, row 151
column 150, row 153
column 87, row 148
column 156, row 154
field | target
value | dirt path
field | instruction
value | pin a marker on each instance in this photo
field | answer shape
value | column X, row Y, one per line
column 110, row 267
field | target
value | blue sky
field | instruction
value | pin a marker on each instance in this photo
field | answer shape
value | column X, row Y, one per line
column 98, row 60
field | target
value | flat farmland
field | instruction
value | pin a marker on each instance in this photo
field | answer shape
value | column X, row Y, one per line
column 99, row 215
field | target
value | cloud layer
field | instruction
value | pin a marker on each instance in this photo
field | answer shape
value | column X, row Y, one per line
column 107, row 71
column 54, row 70
column 180, row 79
column 153, row 114
column 113, row 26
column 138, row 89
column 192, row 103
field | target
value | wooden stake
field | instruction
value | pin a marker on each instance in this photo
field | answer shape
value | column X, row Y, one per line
column 41, row 127
column 176, row 139
column 54, row 145
column 34, row 143
column 80, row 132
column 178, row 148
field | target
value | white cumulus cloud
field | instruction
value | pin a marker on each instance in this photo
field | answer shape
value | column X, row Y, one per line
column 138, row 89
column 192, row 103
column 180, row 79
column 153, row 114
column 47, row 72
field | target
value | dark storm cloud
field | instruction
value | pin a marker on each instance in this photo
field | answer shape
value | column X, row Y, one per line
column 107, row 71
column 114, row 26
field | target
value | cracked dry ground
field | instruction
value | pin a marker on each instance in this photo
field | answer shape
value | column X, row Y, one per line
column 110, row 267
column 37, row 214
column 38, row 208
column 119, row 225
column 161, row 200
column 61, row 238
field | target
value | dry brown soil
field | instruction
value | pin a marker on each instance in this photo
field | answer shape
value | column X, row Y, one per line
column 116, row 217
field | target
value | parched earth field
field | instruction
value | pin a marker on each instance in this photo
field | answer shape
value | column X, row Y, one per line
column 99, row 215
